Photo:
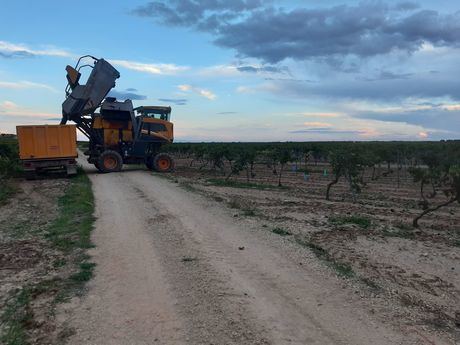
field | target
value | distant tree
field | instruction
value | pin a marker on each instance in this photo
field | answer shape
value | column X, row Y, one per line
column 280, row 156
column 349, row 163
column 441, row 172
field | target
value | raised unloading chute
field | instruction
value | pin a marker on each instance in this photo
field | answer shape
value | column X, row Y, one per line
column 83, row 99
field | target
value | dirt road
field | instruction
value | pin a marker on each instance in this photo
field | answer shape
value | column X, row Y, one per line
column 176, row 268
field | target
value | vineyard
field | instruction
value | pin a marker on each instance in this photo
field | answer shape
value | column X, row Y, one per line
column 427, row 171
column 384, row 214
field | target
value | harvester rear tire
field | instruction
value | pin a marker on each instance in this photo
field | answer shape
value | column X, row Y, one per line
column 163, row 162
column 110, row 161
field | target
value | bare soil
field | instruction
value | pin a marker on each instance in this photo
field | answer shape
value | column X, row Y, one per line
column 26, row 258
column 182, row 261
column 412, row 275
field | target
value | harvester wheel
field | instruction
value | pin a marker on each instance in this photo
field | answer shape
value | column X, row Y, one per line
column 109, row 161
column 163, row 163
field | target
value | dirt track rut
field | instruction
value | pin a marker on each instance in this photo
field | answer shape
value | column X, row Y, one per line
column 171, row 269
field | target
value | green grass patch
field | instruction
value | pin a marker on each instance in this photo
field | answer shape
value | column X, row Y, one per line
column 342, row 269
column 239, row 184
column 281, row 231
column 15, row 318
column 18, row 315
column 83, row 145
column 362, row 222
column 85, row 273
column 71, row 230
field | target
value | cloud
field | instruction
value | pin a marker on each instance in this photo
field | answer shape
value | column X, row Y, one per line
column 227, row 113
column 239, row 69
column 434, row 118
column 264, row 69
column 12, row 112
column 389, row 90
column 387, row 75
column 13, row 50
column 423, row 135
column 176, row 101
column 24, row 85
column 406, row 6
column 219, row 71
column 159, row 69
column 317, row 124
column 184, row 87
column 257, row 30
column 126, row 95
column 264, row 87
column 320, row 114
column 8, row 105
column 204, row 15
column 202, row 92
column 326, row 131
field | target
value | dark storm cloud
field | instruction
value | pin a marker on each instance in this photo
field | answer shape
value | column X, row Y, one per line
column 364, row 31
column 126, row 95
column 176, row 101
column 206, row 15
column 131, row 89
column 271, row 34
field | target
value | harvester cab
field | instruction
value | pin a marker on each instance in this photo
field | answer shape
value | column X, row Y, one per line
column 118, row 134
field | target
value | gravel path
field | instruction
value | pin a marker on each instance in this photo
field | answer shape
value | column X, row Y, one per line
column 176, row 268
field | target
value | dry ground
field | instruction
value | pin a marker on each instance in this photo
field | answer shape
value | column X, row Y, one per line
column 407, row 277
column 182, row 261
column 27, row 259
column 44, row 231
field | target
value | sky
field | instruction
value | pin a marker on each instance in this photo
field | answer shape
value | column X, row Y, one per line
column 246, row 70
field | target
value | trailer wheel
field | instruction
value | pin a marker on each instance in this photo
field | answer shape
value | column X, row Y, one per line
column 110, row 161
column 163, row 163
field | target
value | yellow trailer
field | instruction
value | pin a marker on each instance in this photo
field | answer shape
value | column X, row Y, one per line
column 47, row 147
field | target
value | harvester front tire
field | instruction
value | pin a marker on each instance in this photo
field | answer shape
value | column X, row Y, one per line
column 110, row 161
column 163, row 163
